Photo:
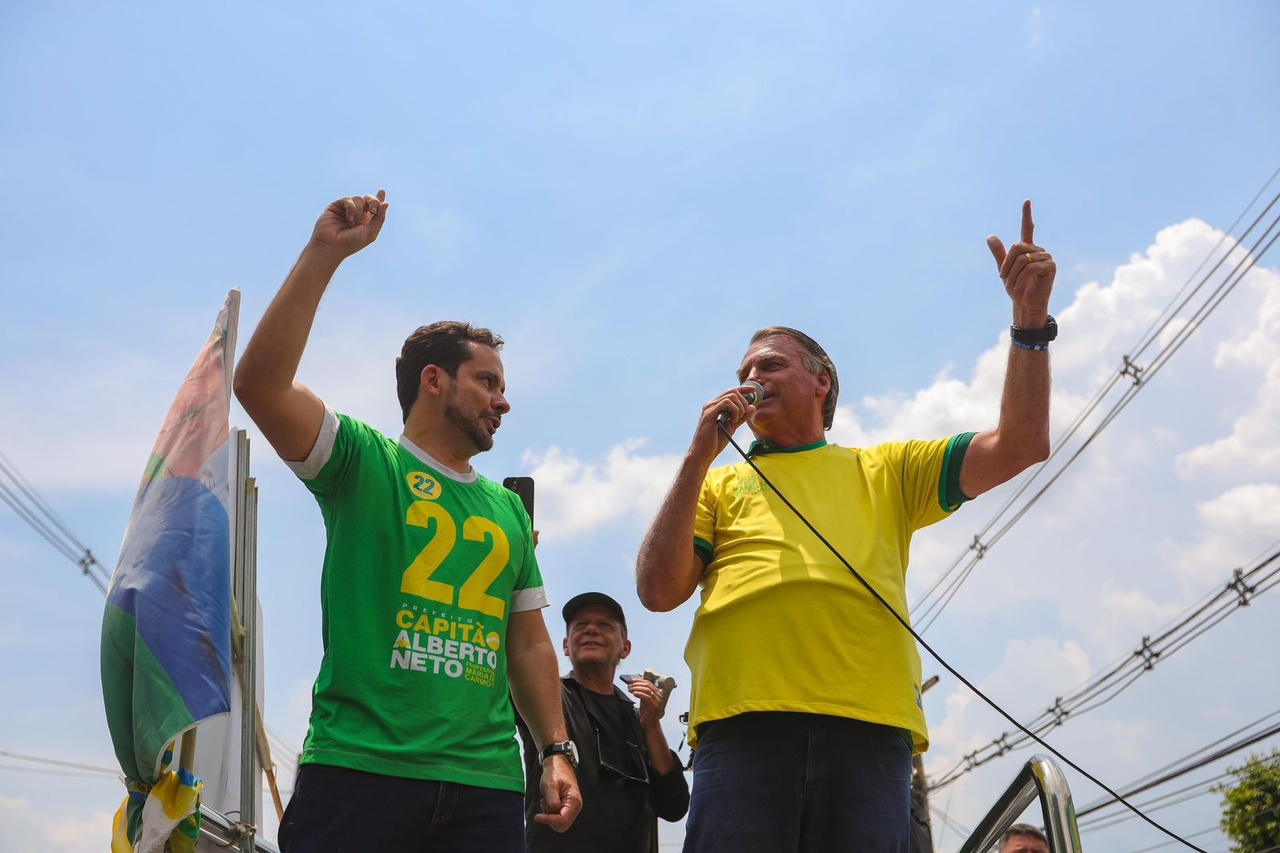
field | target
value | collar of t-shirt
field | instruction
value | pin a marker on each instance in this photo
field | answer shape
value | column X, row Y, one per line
column 442, row 469
column 761, row 446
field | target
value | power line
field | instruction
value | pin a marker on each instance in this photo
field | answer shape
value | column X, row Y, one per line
column 18, row 493
column 949, row 822
column 23, row 499
column 36, row 771
column 56, row 763
column 1240, row 591
column 1208, row 831
column 1195, row 761
column 1209, row 746
column 926, row 610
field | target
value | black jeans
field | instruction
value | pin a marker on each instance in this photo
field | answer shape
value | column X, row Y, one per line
column 337, row 810
column 774, row 782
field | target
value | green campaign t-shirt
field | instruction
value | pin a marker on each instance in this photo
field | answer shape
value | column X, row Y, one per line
column 422, row 571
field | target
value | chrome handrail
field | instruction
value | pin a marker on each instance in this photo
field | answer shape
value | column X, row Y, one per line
column 1040, row 778
column 224, row 832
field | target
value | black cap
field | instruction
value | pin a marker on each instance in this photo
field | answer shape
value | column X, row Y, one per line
column 587, row 599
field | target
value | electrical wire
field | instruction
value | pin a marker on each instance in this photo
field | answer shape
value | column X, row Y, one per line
column 1189, row 766
column 1240, row 591
column 1208, row 831
column 68, row 765
column 950, row 822
column 1217, row 743
column 948, row 667
column 18, row 493
column 23, row 499
column 1179, row 796
column 940, row 593
column 929, row 612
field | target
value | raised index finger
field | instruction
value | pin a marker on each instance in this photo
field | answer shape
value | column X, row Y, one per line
column 1028, row 227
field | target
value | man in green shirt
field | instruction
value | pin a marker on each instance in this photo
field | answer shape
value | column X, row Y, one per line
column 430, row 592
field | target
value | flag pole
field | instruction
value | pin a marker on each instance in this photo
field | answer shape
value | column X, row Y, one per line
column 268, row 765
column 246, row 595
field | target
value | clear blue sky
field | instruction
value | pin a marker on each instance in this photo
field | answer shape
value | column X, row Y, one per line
column 625, row 192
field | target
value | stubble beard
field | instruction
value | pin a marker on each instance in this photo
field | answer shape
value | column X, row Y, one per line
column 468, row 424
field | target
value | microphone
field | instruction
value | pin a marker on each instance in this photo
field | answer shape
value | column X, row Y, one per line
column 754, row 396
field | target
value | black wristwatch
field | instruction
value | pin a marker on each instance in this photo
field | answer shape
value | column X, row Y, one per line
column 1035, row 336
column 565, row 747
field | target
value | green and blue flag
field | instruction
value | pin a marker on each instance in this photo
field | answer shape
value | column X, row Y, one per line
column 166, row 630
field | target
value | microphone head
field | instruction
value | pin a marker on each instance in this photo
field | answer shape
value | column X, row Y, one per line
column 754, row 395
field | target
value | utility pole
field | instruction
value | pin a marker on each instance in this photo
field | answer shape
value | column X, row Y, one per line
column 921, row 825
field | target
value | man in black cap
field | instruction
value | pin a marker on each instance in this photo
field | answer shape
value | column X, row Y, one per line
column 626, row 771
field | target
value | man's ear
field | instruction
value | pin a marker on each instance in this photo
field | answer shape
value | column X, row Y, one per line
column 824, row 384
column 434, row 380
column 565, row 644
column 626, row 650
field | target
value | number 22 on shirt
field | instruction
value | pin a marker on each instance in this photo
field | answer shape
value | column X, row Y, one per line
column 474, row 592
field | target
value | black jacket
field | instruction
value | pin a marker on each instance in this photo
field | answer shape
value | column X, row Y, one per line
column 618, row 809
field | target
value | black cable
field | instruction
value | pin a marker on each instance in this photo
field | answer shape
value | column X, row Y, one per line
column 948, row 667
column 1161, row 770
column 25, row 513
column 50, row 527
column 59, row 535
column 1150, row 806
column 38, row 771
column 950, row 822
column 1244, row 586
column 1162, row 322
column 66, row 764
column 1196, row 765
column 27, row 489
column 1208, row 831
column 935, row 607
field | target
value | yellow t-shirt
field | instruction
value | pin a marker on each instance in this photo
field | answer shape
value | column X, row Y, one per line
column 783, row 625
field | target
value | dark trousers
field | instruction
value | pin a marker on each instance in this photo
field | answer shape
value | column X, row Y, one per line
column 337, row 810
column 793, row 783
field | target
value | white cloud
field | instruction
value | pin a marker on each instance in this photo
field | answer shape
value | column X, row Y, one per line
column 24, row 828
column 1029, row 673
column 1236, row 525
column 1259, row 346
column 1122, row 611
column 1251, row 446
column 92, row 421
column 13, row 636
column 576, row 497
column 1100, row 324
column 1123, row 469
column 1035, row 27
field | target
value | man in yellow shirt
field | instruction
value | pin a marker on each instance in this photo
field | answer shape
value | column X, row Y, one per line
column 805, row 708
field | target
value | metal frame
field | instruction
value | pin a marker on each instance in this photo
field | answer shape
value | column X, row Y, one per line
column 1040, row 778
column 230, row 834
column 246, row 591
column 240, row 833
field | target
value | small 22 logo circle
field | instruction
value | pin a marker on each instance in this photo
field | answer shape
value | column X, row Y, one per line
column 423, row 485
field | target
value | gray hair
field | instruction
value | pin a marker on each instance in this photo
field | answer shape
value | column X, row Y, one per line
column 816, row 361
